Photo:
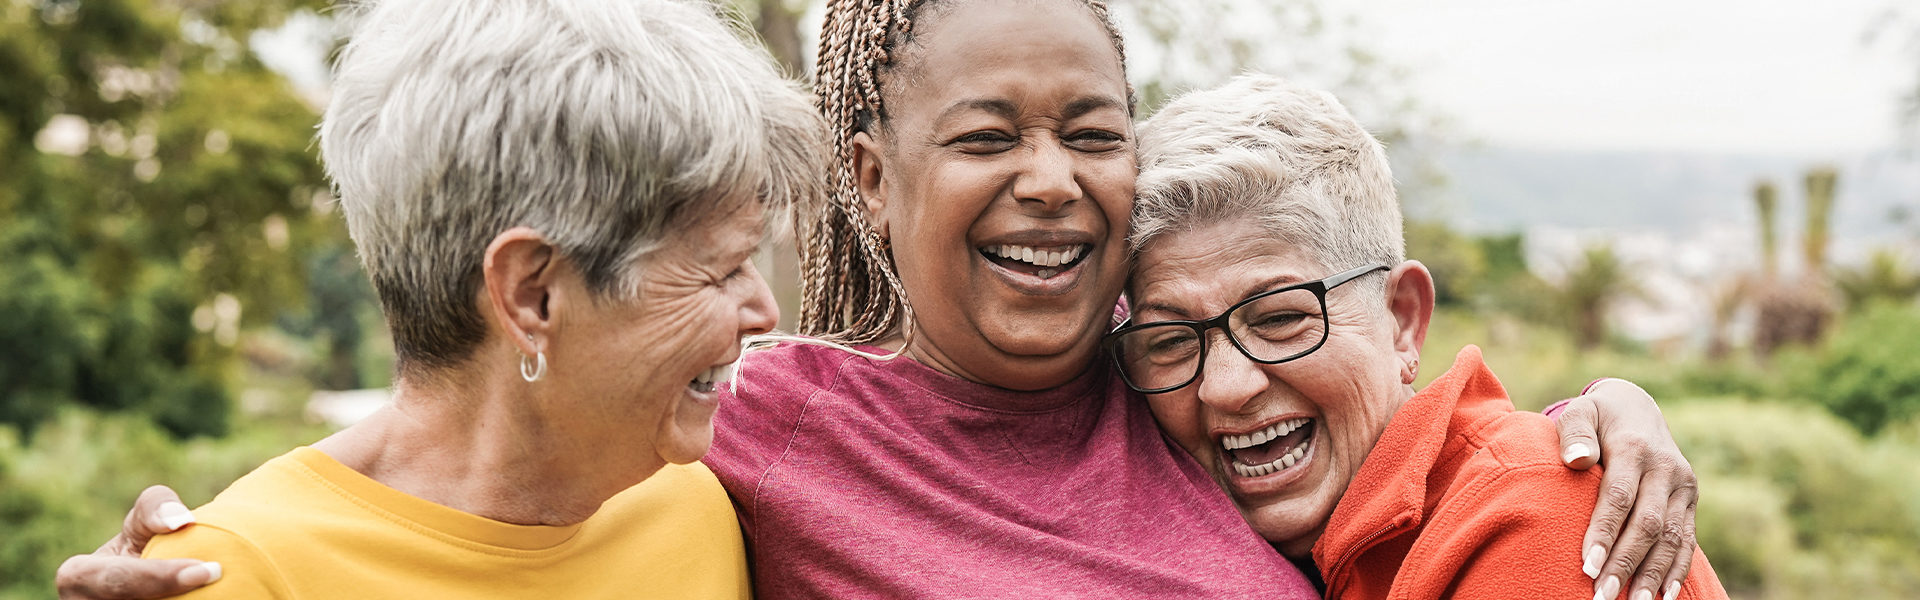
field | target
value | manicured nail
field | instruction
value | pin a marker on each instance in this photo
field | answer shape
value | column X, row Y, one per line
column 1575, row 451
column 1673, row 590
column 1612, row 588
column 175, row 515
column 1643, row 595
column 1595, row 556
column 200, row 574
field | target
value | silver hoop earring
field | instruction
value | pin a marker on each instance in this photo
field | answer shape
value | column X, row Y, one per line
column 533, row 373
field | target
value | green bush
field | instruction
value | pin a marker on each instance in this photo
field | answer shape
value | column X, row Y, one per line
column 1796, row 504
column 67, row 490
column 1868, row 373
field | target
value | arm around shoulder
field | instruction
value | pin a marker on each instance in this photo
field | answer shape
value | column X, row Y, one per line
column 245, row 571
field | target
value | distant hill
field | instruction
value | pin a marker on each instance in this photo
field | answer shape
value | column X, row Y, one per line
column 1506, row 189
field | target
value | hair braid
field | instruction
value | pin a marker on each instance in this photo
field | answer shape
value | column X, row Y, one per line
column 849, row 291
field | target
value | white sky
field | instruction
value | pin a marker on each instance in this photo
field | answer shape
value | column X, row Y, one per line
column 1778, row 77
column 1747, row 76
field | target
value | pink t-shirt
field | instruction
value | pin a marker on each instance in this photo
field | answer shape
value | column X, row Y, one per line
column 863, row 478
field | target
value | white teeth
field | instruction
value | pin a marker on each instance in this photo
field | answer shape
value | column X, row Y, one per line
column 1286, row 461
column 1272, row 432
column 1036, row 256
column 714, row 375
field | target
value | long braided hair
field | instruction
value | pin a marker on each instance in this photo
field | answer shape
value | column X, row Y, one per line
column 849, row 291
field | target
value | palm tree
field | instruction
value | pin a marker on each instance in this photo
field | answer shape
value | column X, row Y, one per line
column 1591, row 289
column 1884, row 277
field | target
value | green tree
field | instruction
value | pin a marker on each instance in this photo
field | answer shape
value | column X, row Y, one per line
column 1592, row 288
column 157, row 197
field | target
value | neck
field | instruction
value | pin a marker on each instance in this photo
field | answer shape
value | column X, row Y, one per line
column 480, row 443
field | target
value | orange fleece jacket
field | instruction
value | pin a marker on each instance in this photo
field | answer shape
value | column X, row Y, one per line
column 1465, row 498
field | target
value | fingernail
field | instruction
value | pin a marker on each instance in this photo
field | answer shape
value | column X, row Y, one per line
column 1612, row 588
column 175, row 515
column 200, row 574
column 1673, row 589
column 1575, row 451
column 1595, row 556
column 1643, row 595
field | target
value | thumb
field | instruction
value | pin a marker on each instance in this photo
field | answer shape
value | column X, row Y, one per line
column 1579, row 448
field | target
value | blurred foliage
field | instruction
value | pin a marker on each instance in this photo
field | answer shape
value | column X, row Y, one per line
column 1795, row 504
column 159, row 196
column 1868, row 373
column 65, row 491
column 1591, row 288
column 1884, row 278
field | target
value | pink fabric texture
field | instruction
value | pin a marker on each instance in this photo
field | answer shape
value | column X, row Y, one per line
column 857, row 478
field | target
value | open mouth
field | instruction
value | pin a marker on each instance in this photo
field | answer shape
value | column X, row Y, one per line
column 711, row 378
column 1276, row 448
column 1039, row 261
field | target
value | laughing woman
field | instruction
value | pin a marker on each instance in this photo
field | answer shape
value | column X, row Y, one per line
column 1277, row 330
column 562, row 288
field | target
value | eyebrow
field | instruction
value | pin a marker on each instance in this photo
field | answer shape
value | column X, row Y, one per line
column 1005, row 109
column 1087, row 104
column 999, row 107
column 1267, row 285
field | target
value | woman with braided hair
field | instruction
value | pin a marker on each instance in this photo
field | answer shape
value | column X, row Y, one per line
column 963, row 440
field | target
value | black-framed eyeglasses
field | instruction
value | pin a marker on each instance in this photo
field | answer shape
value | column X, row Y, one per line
column 1270, row 328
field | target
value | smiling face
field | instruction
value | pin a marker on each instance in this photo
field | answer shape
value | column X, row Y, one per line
column 649, row 367
column 1286, row 439
column 1003, row 180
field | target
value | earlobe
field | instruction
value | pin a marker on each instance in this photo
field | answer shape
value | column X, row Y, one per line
column 519, row 275
column 1410, row 299
column 869, row 174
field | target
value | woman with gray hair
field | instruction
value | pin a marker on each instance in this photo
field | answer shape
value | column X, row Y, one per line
column 1265, row 212
column 557, row 203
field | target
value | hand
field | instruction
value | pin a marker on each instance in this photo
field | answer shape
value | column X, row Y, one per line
column 1642, row 528
column 116, row 571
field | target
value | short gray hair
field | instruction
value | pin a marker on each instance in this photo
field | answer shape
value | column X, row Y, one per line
column 602, row 124
column 1265, row 150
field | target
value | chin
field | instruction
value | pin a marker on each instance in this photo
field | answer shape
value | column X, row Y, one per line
column 1292, row 529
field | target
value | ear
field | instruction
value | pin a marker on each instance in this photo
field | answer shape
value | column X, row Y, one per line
column 869, row 174
column 520, row 272
column 1410, row 301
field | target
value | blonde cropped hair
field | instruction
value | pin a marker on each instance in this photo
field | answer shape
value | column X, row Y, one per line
column 603, row 124
column 1264, row 150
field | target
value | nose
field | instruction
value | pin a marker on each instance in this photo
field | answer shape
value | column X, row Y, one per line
column 759, row 313
column 1228, row 380
column 1048, row 180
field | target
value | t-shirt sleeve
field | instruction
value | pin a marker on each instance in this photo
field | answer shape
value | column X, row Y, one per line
column 245, row 571
column 1518, row 537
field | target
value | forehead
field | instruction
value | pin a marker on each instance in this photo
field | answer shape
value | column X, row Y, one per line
column 731, row 229
column 967, row 49
column 1199, row 272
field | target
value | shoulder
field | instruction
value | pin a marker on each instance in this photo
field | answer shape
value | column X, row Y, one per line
column 246, row 570
column 236, row 529
column 1511, row 521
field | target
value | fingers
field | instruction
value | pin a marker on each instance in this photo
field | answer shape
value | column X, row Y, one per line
column 1619, row 493
column 101, row 577
column 1579, row 447
column 1644, row 527
column 157, row 511
column 1673, row 555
